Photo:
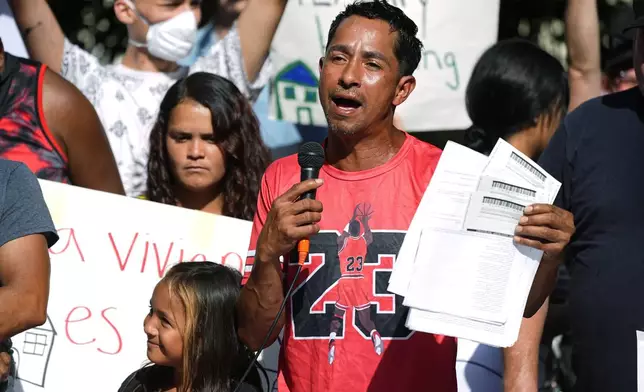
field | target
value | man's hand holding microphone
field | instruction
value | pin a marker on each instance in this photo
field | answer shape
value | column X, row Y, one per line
column 290, row 220
column 294, row 217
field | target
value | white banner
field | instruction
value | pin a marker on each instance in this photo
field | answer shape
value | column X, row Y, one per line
column 454, row 34
column 111, row 253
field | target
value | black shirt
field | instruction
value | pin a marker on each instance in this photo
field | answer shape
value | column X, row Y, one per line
column 156, row 378
column 598, row 155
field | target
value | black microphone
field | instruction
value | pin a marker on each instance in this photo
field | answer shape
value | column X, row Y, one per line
column 310, row 158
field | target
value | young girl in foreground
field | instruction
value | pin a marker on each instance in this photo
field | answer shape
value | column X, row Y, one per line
column 192, row 336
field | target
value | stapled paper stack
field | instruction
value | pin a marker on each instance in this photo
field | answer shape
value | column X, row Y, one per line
column 459, row 269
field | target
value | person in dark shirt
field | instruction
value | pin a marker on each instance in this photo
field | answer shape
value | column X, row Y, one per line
column 597, row 156
column 26, row 233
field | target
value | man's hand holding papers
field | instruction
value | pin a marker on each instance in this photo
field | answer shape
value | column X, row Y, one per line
column 476, row 242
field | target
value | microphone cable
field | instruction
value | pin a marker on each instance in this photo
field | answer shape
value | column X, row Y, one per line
column 271, row 329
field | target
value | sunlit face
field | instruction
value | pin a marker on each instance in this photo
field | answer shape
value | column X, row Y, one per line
column 197, row 163
column 164, row 327
column 154, row 11
column 359, row 76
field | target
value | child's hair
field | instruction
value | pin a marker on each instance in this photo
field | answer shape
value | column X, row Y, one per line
column 212, row 352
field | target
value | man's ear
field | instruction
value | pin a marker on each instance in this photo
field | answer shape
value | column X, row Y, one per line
column 124, row 12
column 320, row 64
column 406, row 85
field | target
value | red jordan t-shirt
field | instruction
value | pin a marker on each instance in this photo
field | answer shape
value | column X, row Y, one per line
column 411, row 361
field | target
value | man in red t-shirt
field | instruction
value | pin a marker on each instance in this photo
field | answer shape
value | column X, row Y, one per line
column 378, row 173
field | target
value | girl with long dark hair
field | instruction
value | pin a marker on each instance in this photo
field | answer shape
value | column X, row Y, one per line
column 519, row 93
column 192, row 334
column 206, row 152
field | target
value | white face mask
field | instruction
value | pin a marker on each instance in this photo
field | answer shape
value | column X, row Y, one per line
column 170, row 40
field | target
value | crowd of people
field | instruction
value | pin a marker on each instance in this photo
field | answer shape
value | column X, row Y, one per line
column 176, row 121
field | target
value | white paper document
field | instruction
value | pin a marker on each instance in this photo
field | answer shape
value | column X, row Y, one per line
column 479, row 290
column 443, row 205
column 459, row 269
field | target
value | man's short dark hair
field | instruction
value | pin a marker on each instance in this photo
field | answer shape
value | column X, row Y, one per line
column 407, row 47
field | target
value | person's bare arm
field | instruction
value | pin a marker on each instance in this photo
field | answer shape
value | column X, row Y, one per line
column 288, row 221
column 257, row 25
column 73, row 121
column 259, row 303
column 543, row 285
column 41, row 32
column 521, row 361
column 582, row 38
column 24, row 273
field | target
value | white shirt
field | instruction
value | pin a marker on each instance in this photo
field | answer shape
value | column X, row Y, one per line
column 127, row 101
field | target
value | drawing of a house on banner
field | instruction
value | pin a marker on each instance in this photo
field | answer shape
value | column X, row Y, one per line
column 31, row 351
column 296, row 95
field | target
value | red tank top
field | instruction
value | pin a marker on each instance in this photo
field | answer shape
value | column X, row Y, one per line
column 24, row 135
column 352, row 256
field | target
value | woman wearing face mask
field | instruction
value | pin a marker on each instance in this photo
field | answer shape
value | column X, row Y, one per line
column 192, row 338
column 127, row 95
column 518, row 93
column 205, row 149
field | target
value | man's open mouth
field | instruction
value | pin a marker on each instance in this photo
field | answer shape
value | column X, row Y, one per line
column 346, row 103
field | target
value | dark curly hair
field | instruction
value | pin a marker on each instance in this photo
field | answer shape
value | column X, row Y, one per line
column 236, row 134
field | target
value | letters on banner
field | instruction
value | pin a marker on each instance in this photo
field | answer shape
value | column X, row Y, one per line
column 111, row 253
